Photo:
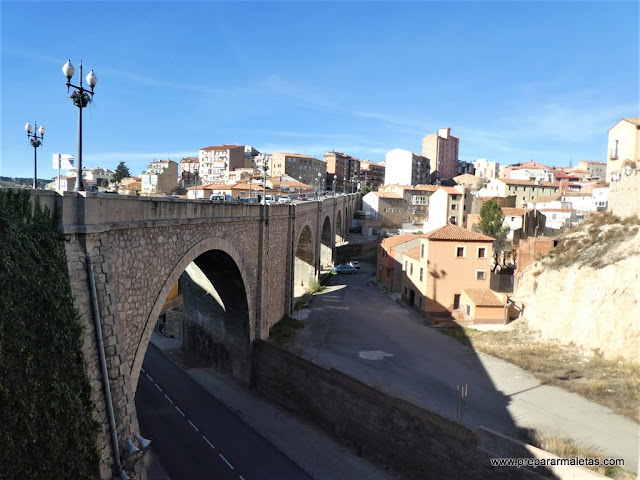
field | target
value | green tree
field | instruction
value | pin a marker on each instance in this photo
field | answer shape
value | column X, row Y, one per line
column 492, row 224
column 122, row 171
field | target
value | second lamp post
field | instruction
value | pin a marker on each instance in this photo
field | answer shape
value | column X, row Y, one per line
column 80, row 99
column 35, row 143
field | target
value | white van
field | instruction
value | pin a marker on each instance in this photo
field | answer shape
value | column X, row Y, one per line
column 270, row 199
column 218, row 197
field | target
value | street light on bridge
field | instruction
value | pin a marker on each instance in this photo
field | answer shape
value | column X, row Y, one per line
column 35, row 143
column 80, row 99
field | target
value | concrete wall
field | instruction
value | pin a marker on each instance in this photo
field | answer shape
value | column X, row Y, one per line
column 415, row 442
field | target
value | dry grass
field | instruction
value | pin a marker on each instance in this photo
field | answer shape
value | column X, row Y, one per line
column 590, row 244
column 567, row 448
column 615, row 385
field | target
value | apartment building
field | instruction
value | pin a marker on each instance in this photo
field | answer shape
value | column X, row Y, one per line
column 305, row 169
column 524, row 190
column 623, row 147
column 466, row 168
column 384, row 209
column 342, row 171
column 371, row 174
column 486, row 169
column 442, row 149
column 449, row 205
column 159, row 177
column 416, row 203
column 190, row 171
column 406, row 168
column 448, row 260
column 217, row 161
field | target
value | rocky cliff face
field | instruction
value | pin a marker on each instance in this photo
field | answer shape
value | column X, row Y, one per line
column 588, row 291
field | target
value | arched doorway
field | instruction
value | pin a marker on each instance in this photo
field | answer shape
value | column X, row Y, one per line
column 326, row 247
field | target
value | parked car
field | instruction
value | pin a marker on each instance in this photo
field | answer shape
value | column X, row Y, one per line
column 346, row 268
column 302, row 196
column 355, row 264
column 284, row 200
column 221, row 198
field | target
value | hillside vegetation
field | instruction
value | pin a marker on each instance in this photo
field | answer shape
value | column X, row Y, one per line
column 587, row 290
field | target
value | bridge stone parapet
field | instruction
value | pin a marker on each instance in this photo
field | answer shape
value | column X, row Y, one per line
column 250, row 255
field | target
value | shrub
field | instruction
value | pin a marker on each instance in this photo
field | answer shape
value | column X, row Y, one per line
column 46, row 424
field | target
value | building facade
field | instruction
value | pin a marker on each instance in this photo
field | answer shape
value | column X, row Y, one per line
column 217, row 161
column 448, row 260
column 305, row 169
column 371, row 174
column 190, row 171
column 442, row 149
column 524, row 190
column 624, row 146
column 342, row 171
column 406, row 168
column 159, row 177
column 486, row 169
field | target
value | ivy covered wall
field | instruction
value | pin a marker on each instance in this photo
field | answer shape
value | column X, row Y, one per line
column 46, row 424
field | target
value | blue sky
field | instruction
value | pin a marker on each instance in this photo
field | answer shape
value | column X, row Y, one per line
column 516, row 81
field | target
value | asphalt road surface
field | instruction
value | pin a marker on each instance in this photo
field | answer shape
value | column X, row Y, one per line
column 195, row 437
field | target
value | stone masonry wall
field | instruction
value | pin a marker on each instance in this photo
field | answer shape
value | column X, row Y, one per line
column 391, row 431
column 624, row 195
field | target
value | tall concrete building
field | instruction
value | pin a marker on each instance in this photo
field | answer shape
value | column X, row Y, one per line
column 217, row 161
column 486, row 169
column 160, row 177
column 406, row 168
column 306, row 169
column 342, row 171
column 371, row 174
column 442, row 149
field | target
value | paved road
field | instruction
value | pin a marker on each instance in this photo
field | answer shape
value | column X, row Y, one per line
column 195, row 436
column 354, row 328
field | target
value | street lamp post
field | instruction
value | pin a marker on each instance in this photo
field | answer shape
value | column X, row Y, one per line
column 344, row 184
column 35, row 143
column 318, row 190
column 353, row 182
column 80, row 99
column 265, row 167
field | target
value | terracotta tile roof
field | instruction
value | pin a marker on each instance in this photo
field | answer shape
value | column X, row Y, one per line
column 413, row 253
column 456, row 233
column 428, row 188
column 387, row 195
column 546, row 199
column 398, row 239
column 515, row 212
column 483, row 297
column 223, row 147
column 190, row 160
column 634, row 120
column 451, row 190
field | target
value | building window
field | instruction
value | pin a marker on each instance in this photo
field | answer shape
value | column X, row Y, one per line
column 454, row 207
column 460, row 252
column 422, row 251
column 482, row 252
column 456, row 301
column 411, row 272
column 405, row 265
column 481, row 275
column 421, row 272
column 468, row 310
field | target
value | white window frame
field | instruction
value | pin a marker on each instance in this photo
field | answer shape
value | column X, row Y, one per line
column 464, row 251
column 485, row 252
column 484, row 274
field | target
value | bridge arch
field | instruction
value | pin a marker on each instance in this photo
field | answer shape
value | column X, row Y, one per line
column 304, row 259
column 339, row 235
column 236, row 305
column 326, row 243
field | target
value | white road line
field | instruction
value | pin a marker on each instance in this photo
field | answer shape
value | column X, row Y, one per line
column 207, row 440
column 142, row 369
column 165, row 395
column 158, row 387
column 194, row 427
column 181, row 413
column 241, row 477
column 226, row 461
column 149, row 377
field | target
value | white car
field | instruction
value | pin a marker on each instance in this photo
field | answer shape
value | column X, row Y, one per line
column 355, row 264
column 284, row 200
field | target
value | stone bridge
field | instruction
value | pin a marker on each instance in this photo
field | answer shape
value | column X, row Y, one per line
column 248, row 257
